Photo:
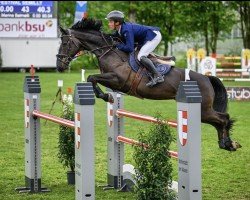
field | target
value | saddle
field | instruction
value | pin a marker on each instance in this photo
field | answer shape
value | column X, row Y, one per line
column 163, row 66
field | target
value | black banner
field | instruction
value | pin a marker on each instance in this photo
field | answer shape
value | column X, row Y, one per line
column 238, row 93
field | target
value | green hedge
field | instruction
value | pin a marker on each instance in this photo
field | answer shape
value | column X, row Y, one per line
column 153, row 164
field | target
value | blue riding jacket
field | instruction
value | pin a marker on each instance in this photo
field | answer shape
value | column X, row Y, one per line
column 135, row 33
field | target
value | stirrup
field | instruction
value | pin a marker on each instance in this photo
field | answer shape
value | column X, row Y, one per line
column 151, row 83
column 159, row 79
column 154, row 81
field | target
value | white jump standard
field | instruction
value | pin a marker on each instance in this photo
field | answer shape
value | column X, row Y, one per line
column 189, row 141
column 84, row 138
column 32, row 92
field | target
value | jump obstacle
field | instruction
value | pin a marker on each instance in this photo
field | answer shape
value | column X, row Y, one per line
column 188, row 107
column 189, row 141
column 208, row 65
column 84, row 138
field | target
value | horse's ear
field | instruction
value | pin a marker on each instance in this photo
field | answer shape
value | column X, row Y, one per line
column 63, row 31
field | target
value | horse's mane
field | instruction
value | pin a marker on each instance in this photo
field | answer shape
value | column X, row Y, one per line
column 87, row 24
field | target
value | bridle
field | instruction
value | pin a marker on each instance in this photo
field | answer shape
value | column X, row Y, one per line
column 66, row 59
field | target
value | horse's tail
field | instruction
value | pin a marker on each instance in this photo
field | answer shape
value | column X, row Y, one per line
column 220, row 99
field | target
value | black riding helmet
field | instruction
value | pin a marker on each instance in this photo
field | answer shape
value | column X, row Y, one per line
column 116, row 16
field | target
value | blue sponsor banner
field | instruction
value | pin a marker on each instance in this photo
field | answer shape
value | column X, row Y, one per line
column 81, row 10
column 27, row 9
column 26, row 3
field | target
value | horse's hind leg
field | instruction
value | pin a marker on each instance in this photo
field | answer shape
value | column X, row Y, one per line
column 223, row 124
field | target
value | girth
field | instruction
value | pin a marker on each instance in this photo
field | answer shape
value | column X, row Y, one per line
column 135, row 82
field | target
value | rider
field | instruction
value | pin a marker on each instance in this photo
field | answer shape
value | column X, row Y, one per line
column 147, row 37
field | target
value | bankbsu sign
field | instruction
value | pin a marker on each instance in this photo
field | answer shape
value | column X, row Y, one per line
column 238, row 93
column 26, row 27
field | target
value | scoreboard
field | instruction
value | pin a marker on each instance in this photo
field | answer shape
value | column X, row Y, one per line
column 28, row 19
column 29, row 32
column 27, row 9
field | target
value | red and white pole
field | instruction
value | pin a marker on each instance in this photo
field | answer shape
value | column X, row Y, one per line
column 54, row 119
column 125, row 113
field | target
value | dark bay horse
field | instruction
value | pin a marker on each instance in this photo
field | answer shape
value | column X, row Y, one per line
column 117, row 75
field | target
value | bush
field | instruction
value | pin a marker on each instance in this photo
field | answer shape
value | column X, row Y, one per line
column 153, row 166
column 66, row 142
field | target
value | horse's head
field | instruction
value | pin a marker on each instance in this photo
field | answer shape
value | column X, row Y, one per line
column 83, row 35
column 69, row 47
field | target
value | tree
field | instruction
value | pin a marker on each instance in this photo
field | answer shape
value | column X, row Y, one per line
column 165, row 15
column 66, row 13
column 221, row 19
column 209, row 19
column 178, row 20
column 132, row 11
column 243, row 8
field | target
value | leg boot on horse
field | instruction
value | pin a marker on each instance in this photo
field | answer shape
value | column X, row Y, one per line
column 157, row 77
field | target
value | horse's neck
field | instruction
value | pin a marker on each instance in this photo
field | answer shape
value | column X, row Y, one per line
column 108, row 58
column 90, row 39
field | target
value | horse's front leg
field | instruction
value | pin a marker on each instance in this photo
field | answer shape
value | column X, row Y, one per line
column 109, row 80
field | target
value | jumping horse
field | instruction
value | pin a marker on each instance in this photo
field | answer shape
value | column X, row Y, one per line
column 117, row 74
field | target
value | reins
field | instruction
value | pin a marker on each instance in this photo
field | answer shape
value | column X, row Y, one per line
column 112, row 47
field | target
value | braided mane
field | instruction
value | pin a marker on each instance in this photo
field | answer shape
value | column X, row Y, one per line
column 90, row 24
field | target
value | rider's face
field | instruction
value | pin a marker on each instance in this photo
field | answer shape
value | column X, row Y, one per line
column 113, row 25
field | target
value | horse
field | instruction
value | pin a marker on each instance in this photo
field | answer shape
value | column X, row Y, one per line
column 116, row 74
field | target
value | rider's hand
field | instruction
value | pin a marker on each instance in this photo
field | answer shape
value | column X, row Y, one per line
column 115, row 44
column 118, row 45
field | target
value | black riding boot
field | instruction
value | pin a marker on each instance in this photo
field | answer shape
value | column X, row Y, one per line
column 157, row 77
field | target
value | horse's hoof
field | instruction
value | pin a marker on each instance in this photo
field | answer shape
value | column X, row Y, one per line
column 107, row 97
column 232, row 149
column 236, row 145
column 228, row 148
column 110, row 98
column 228, row 144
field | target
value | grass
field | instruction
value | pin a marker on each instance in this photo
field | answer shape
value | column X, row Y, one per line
column 225, row 175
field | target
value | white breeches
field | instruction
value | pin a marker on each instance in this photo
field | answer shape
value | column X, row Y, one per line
column 149, row 46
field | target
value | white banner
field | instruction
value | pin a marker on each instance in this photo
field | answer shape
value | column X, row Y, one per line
column 208, row 66
column 28, row 28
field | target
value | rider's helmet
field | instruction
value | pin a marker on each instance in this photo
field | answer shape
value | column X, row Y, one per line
column 116, row 16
